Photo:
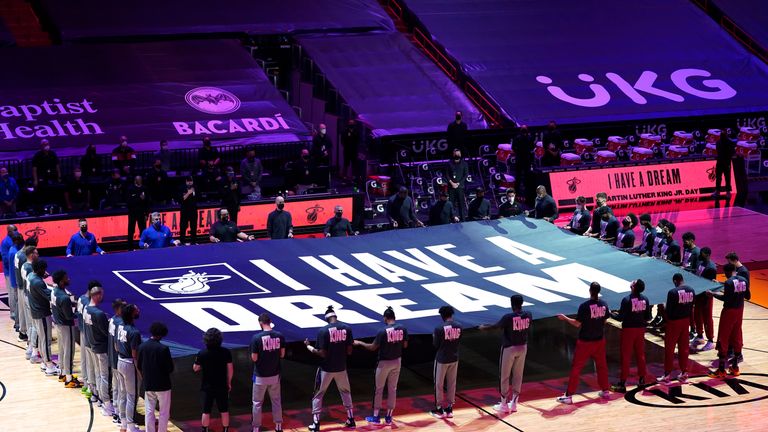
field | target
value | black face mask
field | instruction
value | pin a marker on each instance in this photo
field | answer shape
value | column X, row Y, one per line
column 457, row 158
column 225, row 218
column 626, row 223
column 280, row 206
column 84, row 229
column 458, row 118
column 338, row 214
column 157, row 167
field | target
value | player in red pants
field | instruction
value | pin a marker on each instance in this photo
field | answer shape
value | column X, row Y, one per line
column 735, row 291
column 634, row 314
column 679, row 310
column 590, row 320
column 702, row 304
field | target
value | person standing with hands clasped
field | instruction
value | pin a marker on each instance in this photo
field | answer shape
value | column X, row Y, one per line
column 590, row 320
column 155, row 366
column 267, row 350
column 445, row 339
column 390, row 342
column 215, row 363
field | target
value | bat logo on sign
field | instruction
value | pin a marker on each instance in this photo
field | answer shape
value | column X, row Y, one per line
column 212, row 100
column 572, row 183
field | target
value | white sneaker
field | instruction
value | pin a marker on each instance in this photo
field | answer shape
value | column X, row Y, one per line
column 605, row 394
column 565, row 399
column 133, row 428
column 664, row 379
column 107, row 409
column 512, row 405
column 683, row 378
column 51, row 372
column 501, row 407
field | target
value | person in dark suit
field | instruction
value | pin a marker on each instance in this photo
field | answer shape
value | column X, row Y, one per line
column 401, row 210
column 457, row 173
column 725, row 152
column 457, row 132
column 138, row 204
column 441, row 212
column 545, row 207
column 480, row 207
column 522, row 145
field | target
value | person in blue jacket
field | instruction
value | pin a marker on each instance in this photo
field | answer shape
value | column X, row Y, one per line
column 83, row 242
column 157, row 235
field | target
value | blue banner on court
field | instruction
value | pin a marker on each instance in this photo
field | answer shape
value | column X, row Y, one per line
column 473, row 266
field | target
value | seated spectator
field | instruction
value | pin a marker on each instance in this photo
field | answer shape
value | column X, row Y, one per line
column 114, row 196
column 90, row 163
column 164, row 155
column 208, row 155
column 78, row 193
column 123, row 156
column 251, row 171
column 157, row 183
column 9, row 193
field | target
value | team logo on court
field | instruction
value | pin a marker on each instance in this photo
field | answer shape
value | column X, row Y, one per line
column 702, row 392
column 212, row 100
column 711, row 174
column 188, row 283
column 200, row 281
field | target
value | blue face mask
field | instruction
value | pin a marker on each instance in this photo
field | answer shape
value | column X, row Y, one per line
column 157, row 224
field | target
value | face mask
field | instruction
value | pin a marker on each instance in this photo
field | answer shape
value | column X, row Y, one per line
column 458, row 118
column 78, row 175
column 47, row 148
column 579, row 207
column 456, row 158
column 338, row 214
column 158, row 166
column 280, row 206
column 658, row 229
column 230, row 174
column 189, row 185
column 84, row 228
column 625, row 223
column 157, row 224
column 225, row 218
column 511, row 200
column 305, row 157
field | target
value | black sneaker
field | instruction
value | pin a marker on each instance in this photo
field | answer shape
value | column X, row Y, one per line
column 116, row 418
column 619, row 388
column 350, row 423
column 314, row 427
column 437, row 413
column 448, row 412
column 641, row 382
column 23, row 337
column 655, row 322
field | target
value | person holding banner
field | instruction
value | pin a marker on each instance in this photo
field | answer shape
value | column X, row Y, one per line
column 545, row 207
column 333, row 345
column 390, row 342
column 634, row 314
column 625, row 237
column 338, row 226
column 601, row 207
column 224, row 230
column 510, row 207
column 83, row 243
column 590, row 320
column 158, row 235
column 580, row 221
column 279, row 221
column 401, row 210
column 679, row 309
